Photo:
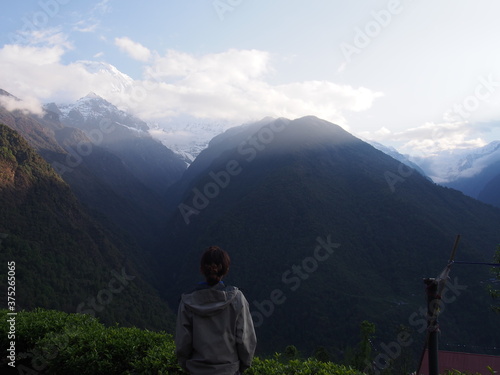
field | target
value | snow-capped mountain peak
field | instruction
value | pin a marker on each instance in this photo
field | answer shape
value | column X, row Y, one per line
column 472, row 162
column 104, row 68
column 93, row 95
column 93, row 107
column 449, row 165
column 116, row 81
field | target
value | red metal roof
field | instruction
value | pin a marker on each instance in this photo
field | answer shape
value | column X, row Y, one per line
column 465, row 362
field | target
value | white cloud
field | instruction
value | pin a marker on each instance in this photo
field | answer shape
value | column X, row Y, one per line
column 30, row 55
column 233, row 85
column 46, row 37
column 33, row 70
column 431, row 138
column 92, row 21
column 102, row 7
column 28, row 104
column 37, row 71
column 86, row 26
column 135, row 50
column 235, row 66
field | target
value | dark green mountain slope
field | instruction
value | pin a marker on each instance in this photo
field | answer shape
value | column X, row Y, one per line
column 482, row 186
column 120, row 174
column 65, row 260
column 491, row 192
column 100, row 180
column 326, row 231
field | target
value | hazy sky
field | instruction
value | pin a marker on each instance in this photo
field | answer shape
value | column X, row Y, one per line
column 420, row 75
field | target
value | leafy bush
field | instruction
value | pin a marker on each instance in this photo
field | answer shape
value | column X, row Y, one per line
column 7, row 154
column 53, row 342
column 31, row 327
column 295, row 367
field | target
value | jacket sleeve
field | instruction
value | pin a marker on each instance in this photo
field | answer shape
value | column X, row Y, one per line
column 183, row 335
column 246, row 340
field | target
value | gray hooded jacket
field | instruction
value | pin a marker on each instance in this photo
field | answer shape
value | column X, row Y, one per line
column 215, row 332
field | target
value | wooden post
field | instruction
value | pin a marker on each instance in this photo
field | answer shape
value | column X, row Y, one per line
column 433, row 300
column 434, row 288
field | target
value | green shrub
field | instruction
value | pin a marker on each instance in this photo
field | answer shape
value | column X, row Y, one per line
column 295, row 367
column 6, row 153
column 33, row 326
column 53, row 342
column 159, row 359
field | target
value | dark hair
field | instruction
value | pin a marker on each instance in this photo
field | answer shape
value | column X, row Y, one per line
column 214, row 264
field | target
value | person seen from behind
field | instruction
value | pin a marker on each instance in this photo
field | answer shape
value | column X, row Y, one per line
column 214, row 333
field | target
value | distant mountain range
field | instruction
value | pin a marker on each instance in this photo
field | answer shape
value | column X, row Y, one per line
column 324, row 229
column 475, row 172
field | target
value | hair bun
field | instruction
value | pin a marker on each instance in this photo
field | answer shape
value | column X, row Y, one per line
column 215, row 264
column 213, row 269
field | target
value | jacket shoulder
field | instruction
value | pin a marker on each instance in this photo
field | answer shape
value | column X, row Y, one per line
column 231, row 288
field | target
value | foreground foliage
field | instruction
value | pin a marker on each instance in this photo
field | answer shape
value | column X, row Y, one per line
column 54, row 342
column 296, row 366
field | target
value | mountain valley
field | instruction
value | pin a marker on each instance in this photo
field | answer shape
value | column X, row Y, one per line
column 324, row 230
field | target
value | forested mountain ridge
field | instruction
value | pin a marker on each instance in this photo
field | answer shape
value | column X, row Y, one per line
column 64, row 259
column 277, row 194
column 111, row 164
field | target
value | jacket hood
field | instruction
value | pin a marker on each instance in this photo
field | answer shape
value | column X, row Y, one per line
column 210, row 300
